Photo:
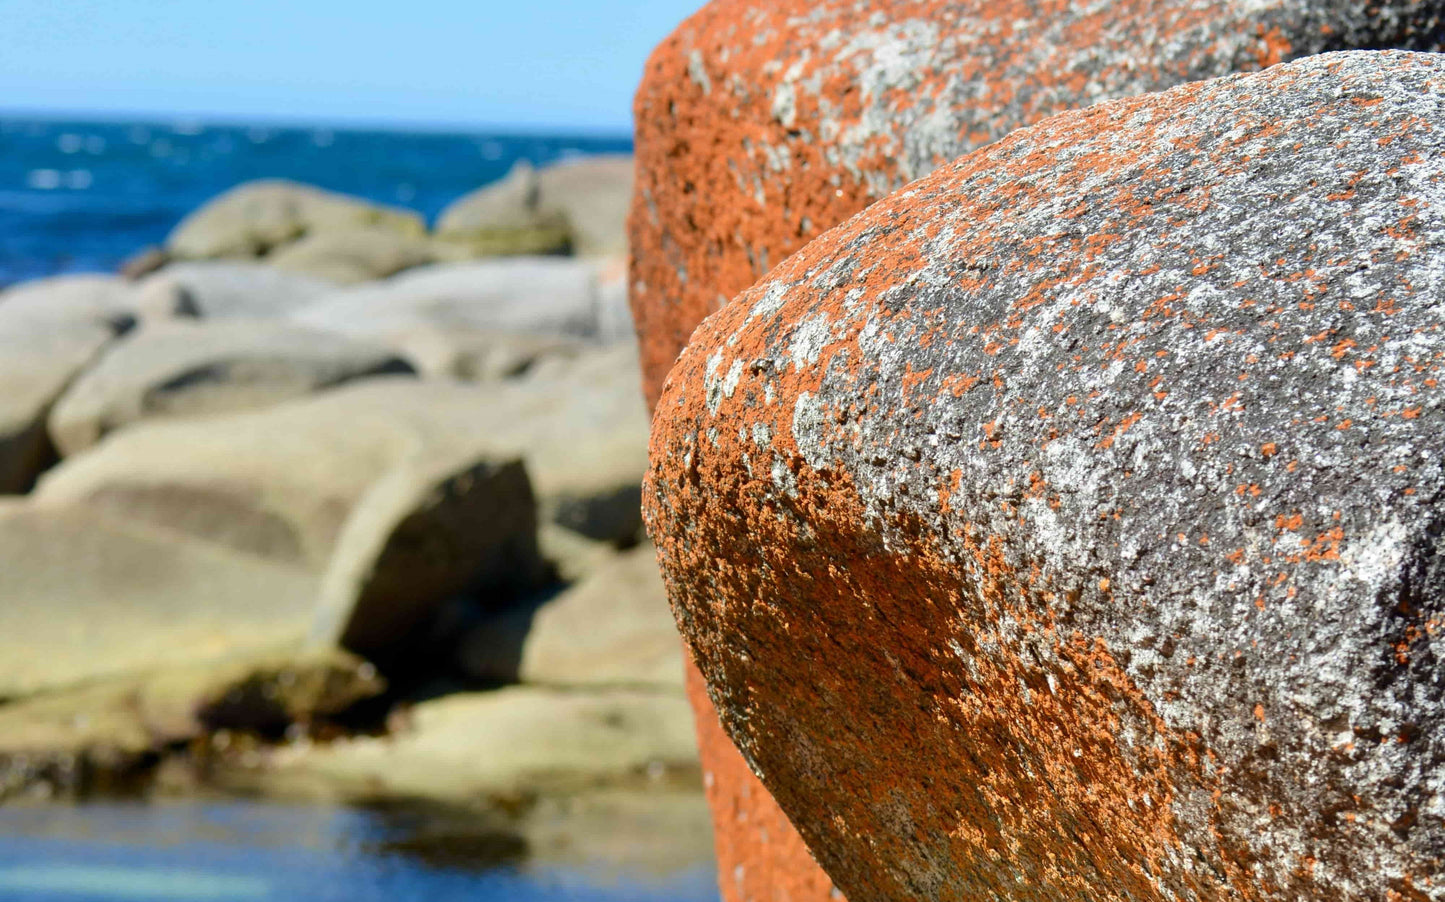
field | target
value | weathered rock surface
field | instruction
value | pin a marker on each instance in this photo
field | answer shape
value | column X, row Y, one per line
column 36, row 366
column 353, row 255
column 88, row 597
column 285, row 482
column 50, row 331
column 191, row 368
column 372, row 486
column 552, row 296
column 256, row 218
column 578, row 205
column 614, row 628
column 473, row 355
column 516, row 740
column 505, row 218
column 112, row 722
column 227, row 289
column 762, row 124
column 425, row 532
column 72, row 301
column 1065, row 525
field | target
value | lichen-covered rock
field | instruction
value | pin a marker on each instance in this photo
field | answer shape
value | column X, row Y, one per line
column 1066, row 525
column 762, row 123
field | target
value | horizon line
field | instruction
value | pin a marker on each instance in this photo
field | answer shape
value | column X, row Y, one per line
column 333, row 123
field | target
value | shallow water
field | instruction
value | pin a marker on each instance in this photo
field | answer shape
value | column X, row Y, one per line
column 265, row 852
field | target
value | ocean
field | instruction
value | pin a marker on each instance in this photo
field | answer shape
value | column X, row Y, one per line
column 78, row 196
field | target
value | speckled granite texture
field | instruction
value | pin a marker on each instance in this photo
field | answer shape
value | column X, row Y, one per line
column 762, row 124
column 1066, row 525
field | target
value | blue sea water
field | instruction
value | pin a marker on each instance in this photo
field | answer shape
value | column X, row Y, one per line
column 253, row 852
column 82, row 196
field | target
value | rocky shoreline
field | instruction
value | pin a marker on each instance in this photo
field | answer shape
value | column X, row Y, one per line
column 316, row 503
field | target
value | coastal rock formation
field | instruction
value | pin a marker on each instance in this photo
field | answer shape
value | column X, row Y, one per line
column 551, row 296
column 613, row 628
column 353, row 255
column 578, row 205
column 762, row 124
column 234, row 289
column 439, row 351
column 88, row 597
column 1066, row 525
column 505, row 218
column 190, row 368
column 257, row 218
column 36, row 366
column 103, row 301
column 512, row 742
column 286, row 482
column 281, row 482
column 51, row 330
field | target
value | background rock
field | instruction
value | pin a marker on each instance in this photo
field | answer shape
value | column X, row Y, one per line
column 1087, row 506
column 280, row 482
column 474, row 355
column 256, row 218
column 428, row 530
column 518, row 740
column 87, row 597
column 613, row 628
column 140, row 714
column 504, row 218
column 36, row 366
column 578, row 205
column 550, row 296
column 194, row 368
column 352, row 255
column 224, row 289
column 72, row 301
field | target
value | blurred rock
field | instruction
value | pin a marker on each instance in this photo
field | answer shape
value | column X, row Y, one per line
column 425, row 532
column 355, row 254
column 582, row 428
column 504, row 218
column 612, row 629
column 371, row 486
column 88, row 598
column 36, row 365
column 221, row 289
column 545, row 295
column 474, row 355
column 258, row 217
column 192, row 368
column 505, row 743
column 143, row 262
column 571, row 555
column 266, row 690
column 580, row 204
column 281, row 482
column 64, row 301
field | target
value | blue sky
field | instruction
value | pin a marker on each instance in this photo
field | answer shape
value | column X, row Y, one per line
column 535, row 64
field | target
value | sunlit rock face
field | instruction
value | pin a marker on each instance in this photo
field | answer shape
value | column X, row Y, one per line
column 1066, row 525
column 762, row 125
